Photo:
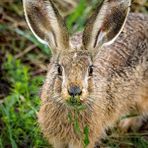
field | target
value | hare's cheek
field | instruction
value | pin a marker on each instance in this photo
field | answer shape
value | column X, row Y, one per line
column 90, row 86
column 87, row 90
column 57, row 86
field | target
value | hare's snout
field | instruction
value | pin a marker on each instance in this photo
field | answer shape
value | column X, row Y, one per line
column 74, row 95
column 75, row 98
column 74, row 91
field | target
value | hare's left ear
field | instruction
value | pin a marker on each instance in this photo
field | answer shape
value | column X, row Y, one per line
column 105, row 25
column 46, row 23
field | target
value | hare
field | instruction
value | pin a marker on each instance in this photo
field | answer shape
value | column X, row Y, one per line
column 105, row 68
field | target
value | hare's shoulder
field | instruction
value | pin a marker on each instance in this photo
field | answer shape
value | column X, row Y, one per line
column 131, row 47
column 138, row 17
column 136, row 23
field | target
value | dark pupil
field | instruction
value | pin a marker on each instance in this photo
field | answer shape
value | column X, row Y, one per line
column 59, row 70
column 90, row 70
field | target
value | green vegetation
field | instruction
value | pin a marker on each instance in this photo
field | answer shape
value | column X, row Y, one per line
column 74, row 101
column 74, row 119
column 23, row 63
column 19, row 122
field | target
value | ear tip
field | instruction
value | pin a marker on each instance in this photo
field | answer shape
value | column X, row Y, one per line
column 127, row 3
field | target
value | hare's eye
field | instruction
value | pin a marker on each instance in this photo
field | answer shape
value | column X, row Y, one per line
column 90, row 70
column 59, row 70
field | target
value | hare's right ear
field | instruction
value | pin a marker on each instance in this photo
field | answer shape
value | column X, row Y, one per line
column 46, row 23
column 105, row 25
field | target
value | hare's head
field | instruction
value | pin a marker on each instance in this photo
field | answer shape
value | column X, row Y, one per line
column 72, row 70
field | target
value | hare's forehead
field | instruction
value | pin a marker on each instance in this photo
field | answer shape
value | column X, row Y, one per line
column 76, row 58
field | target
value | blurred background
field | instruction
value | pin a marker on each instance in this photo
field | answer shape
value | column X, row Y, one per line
column 23, row 62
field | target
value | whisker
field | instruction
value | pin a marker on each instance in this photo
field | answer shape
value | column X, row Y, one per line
column 92, row 102
column 51, row 99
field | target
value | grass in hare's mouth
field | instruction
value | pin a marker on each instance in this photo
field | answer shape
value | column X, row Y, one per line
column 75, row 102
column 22, row 71
column 77, row 106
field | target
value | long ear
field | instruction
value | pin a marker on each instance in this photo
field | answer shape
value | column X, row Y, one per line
column 46, row 23
column 105, row 25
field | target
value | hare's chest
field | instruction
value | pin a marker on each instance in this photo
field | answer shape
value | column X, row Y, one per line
column 61, row 124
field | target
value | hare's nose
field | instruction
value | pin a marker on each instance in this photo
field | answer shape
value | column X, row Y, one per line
column 74, row 91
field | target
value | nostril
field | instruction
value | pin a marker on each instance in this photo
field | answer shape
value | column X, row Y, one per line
column 74, row 91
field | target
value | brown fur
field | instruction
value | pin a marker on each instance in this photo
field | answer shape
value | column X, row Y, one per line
column 118, row 85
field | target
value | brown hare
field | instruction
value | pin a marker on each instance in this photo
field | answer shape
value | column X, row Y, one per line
column 105, row 69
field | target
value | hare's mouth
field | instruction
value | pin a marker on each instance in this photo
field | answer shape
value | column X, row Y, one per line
column 75, row 102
